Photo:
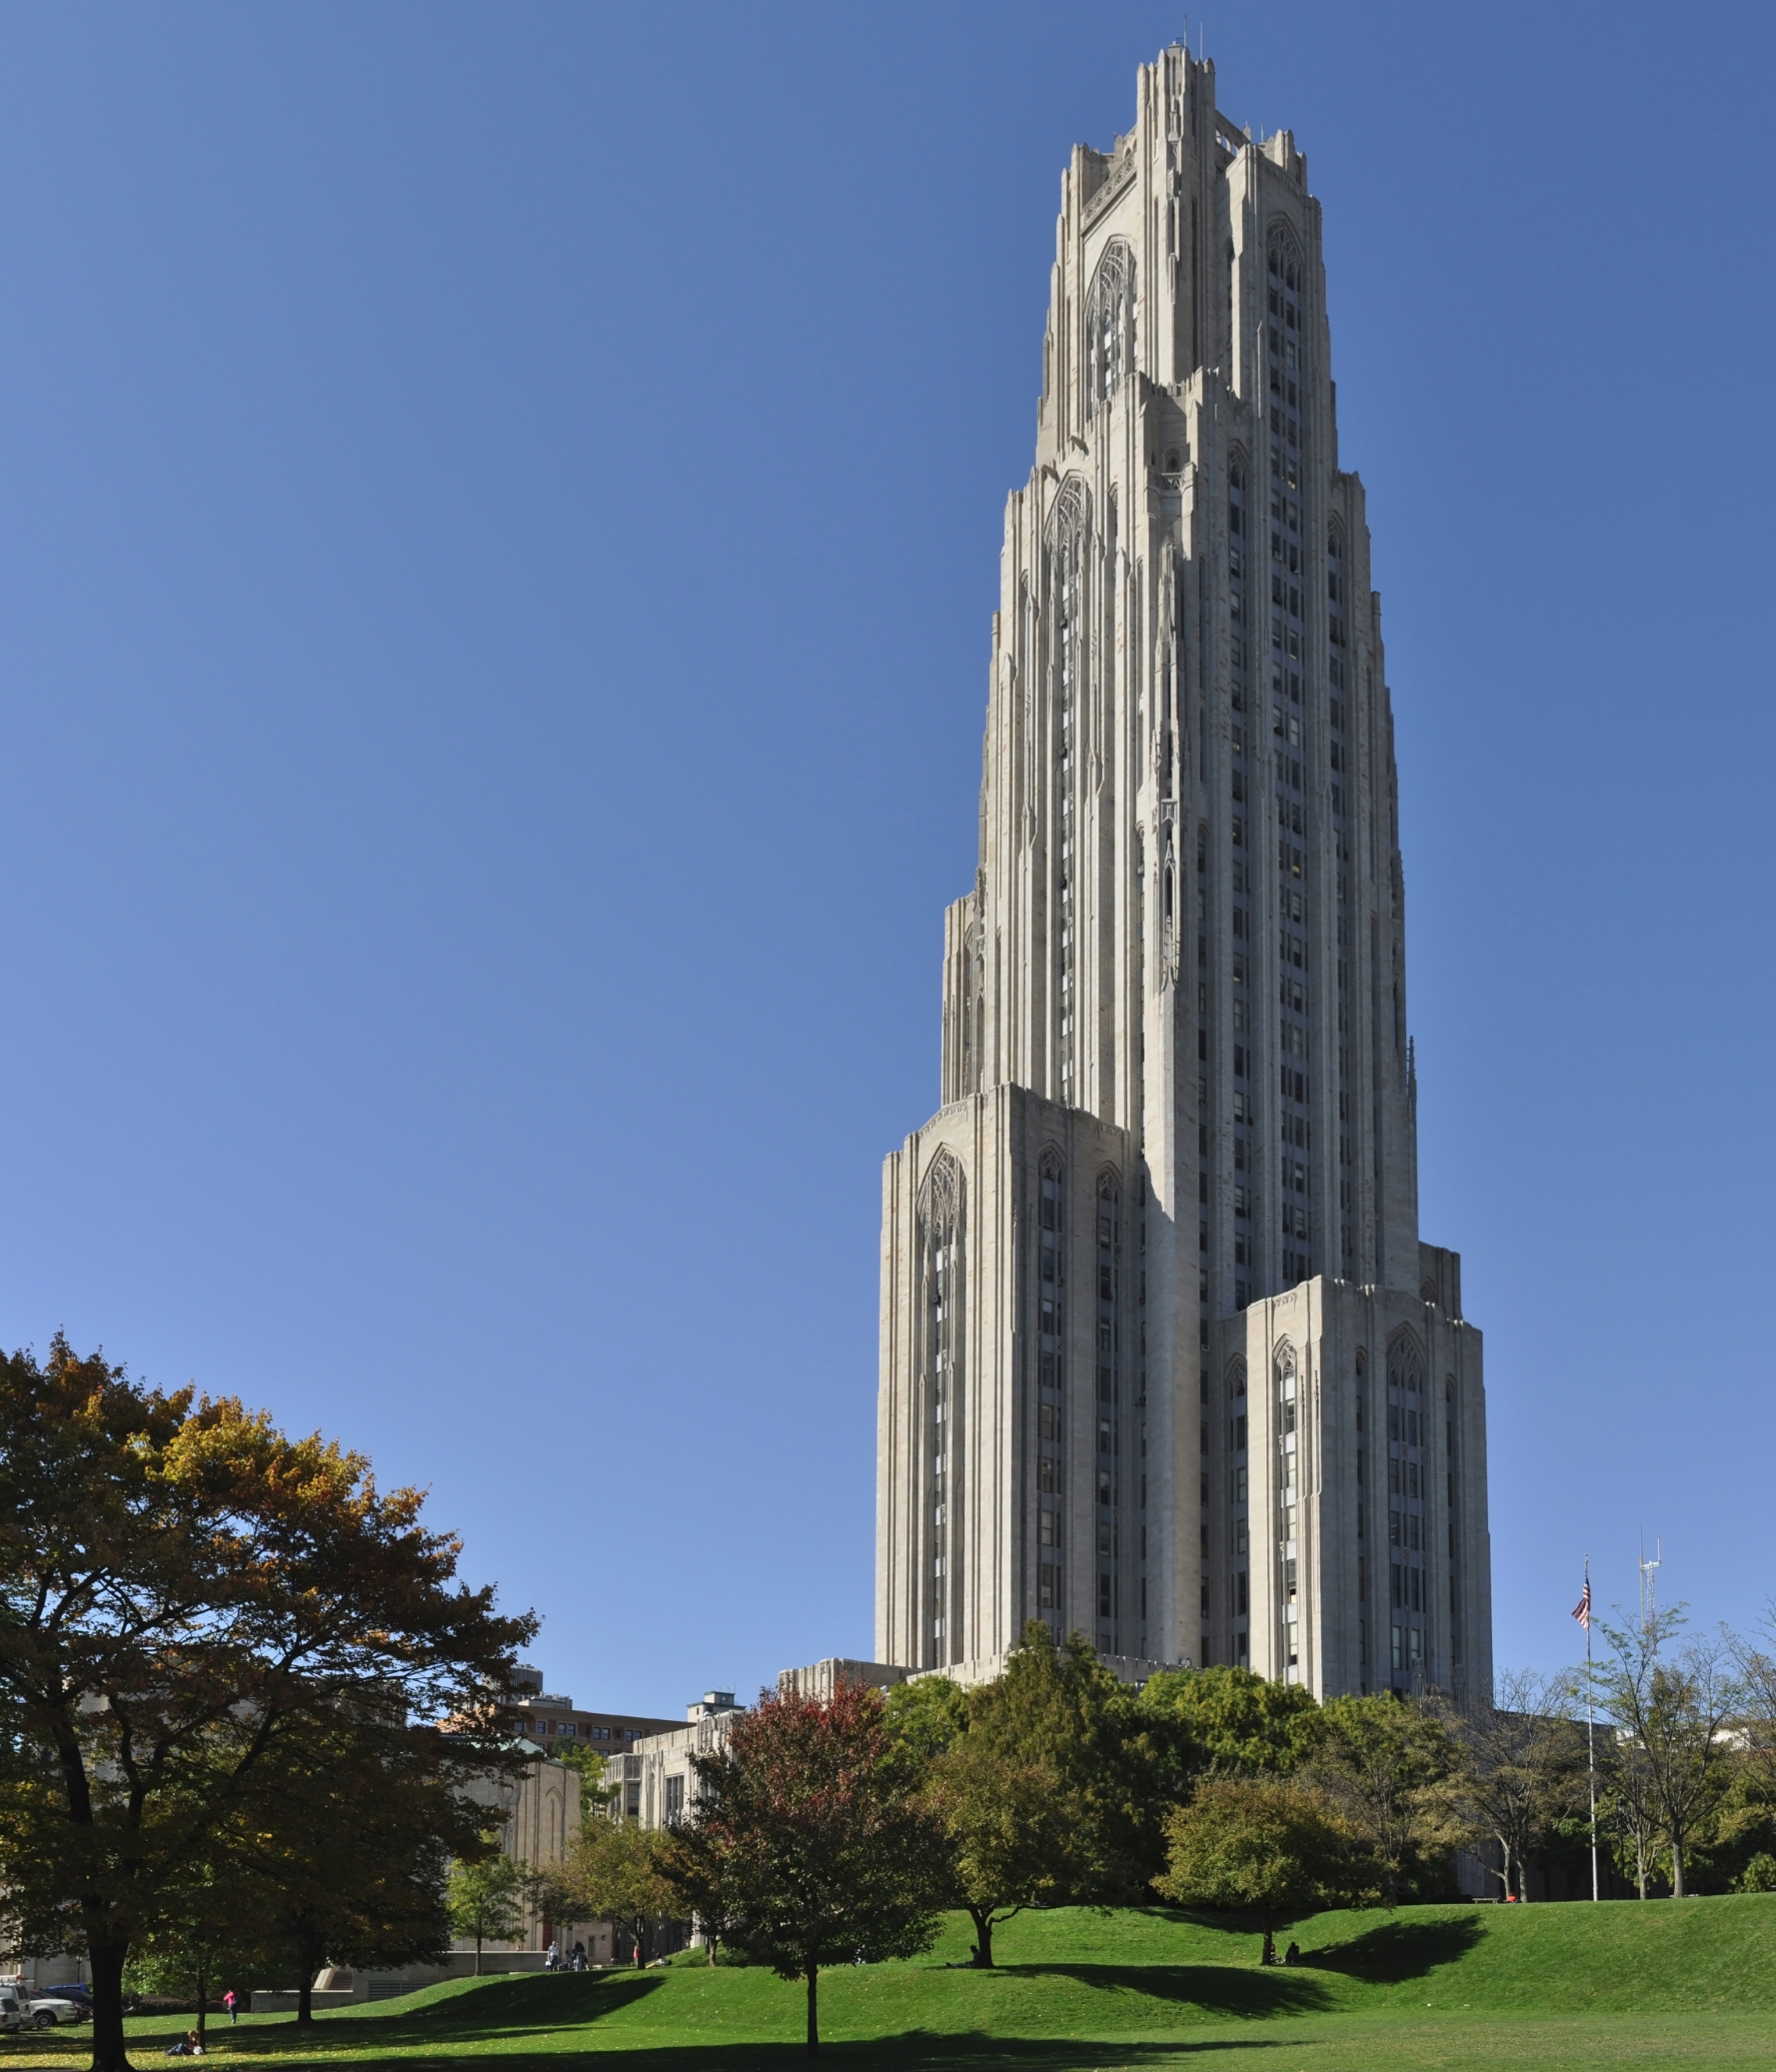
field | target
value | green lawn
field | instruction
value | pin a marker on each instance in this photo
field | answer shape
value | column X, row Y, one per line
column 1689, row 1983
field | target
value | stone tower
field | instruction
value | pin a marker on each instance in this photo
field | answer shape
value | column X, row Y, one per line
column 1164, row 1360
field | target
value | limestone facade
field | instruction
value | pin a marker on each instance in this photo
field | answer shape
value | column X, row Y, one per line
column 1162, row 1357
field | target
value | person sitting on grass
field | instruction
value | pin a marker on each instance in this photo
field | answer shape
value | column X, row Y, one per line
column 189, row 2045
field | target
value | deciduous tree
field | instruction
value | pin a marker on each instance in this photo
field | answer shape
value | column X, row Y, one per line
column 352, row 1871
column 1264, row 1846
column 1670, row 1699
column 927, row 1716
column 613, row 1871
column 1225, row 1722
column 1522, row 1769
column 808, row 1842
column 182, row 1589
column 1386, row 1766
column 484, row 1899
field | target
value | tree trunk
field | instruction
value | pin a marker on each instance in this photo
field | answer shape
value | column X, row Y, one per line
column 305, row 1996
column 1677, row 1869
column 981, row 1916
column 202, row 2001
column 814, row 2018
column 1270, row 1956
column 478, row 1953
column 106, row 1958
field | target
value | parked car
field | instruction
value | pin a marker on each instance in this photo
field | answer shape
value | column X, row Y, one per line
column 45, row 2011
column 12, row 2013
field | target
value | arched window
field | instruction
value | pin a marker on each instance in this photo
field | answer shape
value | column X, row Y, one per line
column 1405, row 1365
column 1109, row 323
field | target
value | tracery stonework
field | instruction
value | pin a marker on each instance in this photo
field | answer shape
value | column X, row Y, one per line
column 1164, row 1360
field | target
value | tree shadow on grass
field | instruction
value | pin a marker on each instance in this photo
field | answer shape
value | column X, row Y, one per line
column 517, row 2006
column 1216, row 1988
column 1401, row 1949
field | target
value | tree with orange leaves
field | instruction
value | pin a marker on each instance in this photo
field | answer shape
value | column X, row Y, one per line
column 185, row 1595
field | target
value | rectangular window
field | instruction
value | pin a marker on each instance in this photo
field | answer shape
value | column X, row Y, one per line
column 675, row 1799
column 1048, row 1528
column 1048, row 1476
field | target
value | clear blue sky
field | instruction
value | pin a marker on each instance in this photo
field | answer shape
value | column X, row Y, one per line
column 498, row 516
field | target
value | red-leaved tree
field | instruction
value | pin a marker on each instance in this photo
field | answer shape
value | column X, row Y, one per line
column 806, row 1843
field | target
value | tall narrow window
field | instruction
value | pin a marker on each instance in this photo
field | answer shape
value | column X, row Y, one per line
column 1107, row 1288
column 1408, row 1474
column 1288, row 1512
column 1066, row 558
column 940, row 1223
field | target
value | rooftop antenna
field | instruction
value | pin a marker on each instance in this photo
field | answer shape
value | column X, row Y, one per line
column 1649, row 1597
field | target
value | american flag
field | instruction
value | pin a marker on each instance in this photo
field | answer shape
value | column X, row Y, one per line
column 1583, row 1609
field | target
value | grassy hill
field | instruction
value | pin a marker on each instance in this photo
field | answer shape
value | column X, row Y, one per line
column 1690, row 1983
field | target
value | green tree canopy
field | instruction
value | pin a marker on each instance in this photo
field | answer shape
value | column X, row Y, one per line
column 1264, row 1846
column 615, row 1871
column 1225, row 1722
column 483, row 1898
column 1046, row 1798
column 925, row 1716
column 1386, row 1766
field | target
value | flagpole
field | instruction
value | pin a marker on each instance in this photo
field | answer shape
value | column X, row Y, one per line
column 1590, row 1732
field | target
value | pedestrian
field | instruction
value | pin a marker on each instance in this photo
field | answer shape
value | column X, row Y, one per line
column 553, row 1961
column 229, row 2001
column 578, row 1957
column 1292, row 1955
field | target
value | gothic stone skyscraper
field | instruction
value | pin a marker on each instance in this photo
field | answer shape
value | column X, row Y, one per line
column 1164, row 1360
